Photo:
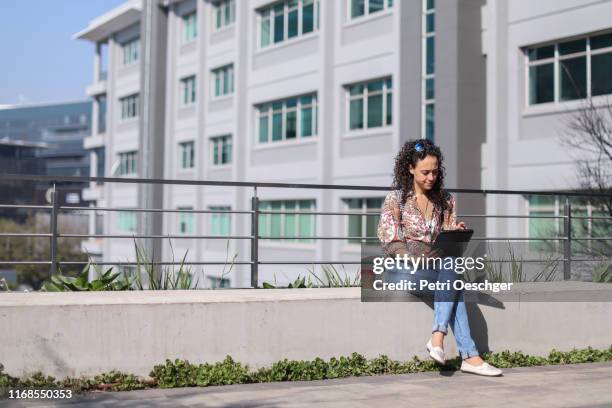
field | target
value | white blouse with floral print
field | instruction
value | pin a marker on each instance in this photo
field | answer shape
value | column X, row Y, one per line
column 415, row 236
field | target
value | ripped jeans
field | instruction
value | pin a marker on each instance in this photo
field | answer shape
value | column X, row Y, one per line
column 449, row 307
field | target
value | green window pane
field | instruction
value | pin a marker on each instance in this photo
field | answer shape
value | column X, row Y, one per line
column 275, row 229
column 375, row 111
column 390, row 3
column 429, row 121
column 389, row 109
column 292, row 24
column 601, row 41
column 218, row 15
column 306, row 125
column 279, row 23
column 375, row 86
column 573, row 78
column 308, row 18
column 541, row 84
column 541, row 53
column 430, row 51
column 376, row 5
column 263, row 129
column 430, row 23
column 291, row 131
column 216, row 152
column 601, row 67
column 217, row 83
column 226, row 83
column 354, row 228
column 571, row 47
column 290, row 219
column 357, row 8
column 265, row 32
column 430, row 89
column 305, row 221
column 356, row 114
column 277, row 126
column 430, row 5
column 356, row 90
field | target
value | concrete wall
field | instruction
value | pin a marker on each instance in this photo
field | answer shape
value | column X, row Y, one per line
column 73, row 334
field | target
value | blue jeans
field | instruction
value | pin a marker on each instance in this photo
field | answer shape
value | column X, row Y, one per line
column 449, row 307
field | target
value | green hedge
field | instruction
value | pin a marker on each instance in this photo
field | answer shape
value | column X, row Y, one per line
column 182, row 373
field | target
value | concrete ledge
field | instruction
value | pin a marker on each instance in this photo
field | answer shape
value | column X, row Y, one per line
column 73, row 334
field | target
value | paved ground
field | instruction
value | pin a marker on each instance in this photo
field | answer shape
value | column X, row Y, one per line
column 568, row 386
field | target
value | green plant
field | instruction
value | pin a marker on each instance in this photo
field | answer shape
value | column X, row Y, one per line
column 104, row 282
column 495, row 271
column 602, row 273
column 331, row 278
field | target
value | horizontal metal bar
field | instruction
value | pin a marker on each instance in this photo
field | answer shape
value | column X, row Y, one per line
column 156, row 236
column 509, row 216
column 24, row 234
column 43, row 178
column 592, row 239
column 161, row 210
column 322, row 213
column 376, row 238
column 25, row 262
column 39, row 207
column 153, row 263
column 591, row 218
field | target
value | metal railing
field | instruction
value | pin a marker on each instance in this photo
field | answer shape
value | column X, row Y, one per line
column 55, row 209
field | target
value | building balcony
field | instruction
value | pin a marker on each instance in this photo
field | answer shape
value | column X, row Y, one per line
column 98, row 87
column 93, row 193
column 93, row 141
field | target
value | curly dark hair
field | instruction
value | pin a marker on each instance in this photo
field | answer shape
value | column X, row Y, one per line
column 409, row 156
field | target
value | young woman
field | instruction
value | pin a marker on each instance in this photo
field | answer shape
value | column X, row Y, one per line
column 413, row 215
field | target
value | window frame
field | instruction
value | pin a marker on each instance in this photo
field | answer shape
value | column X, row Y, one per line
column 269, row 10
column 130, row 52
column 188, row 18
column 266, row 205
column 363, row 209
column 130, row 107
column 187, row 155
column 220, row 74
column 128, row 163
column 188, row 94
column 387, row 8
column 217, row 143
column 314, row 105
column 556, row 59
column 186, row 217
column 222, row 7
column 428, row 103
column 364, row 96
column 218, row 219
column 132, row 221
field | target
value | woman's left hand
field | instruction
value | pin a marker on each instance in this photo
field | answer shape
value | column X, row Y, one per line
column 460, row 225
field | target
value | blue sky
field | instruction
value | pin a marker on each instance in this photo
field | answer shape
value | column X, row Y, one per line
column 39, row 60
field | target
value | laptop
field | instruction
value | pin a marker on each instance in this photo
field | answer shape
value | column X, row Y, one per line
column 453, row 242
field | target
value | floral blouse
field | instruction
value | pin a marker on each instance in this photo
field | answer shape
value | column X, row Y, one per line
column 416, row 235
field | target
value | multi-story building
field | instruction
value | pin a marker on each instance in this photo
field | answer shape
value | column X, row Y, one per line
column 324, row 92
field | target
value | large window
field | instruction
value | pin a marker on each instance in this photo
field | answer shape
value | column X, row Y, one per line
column 286, row 20
column 223, row 79
column 370, row 104
column 288, row 119
column 220, row 223
column 129, row 106
column 287, row 225
column 128, row 163
column 225, row 13
column 101, row 101
column 359, row 8
column 126, row 221
column 187, row 155
column 186, row 221
column 188, row 90
column 190, row 26
column 568, row 70
column 221, row 150
column 131, row 51
column 428, row 69
column 362, row 225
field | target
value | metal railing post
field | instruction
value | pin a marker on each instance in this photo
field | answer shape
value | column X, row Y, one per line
column 255, row 239
column 53, row 250
column 567, row 244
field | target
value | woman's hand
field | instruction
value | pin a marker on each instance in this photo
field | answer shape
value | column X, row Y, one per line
column 460, row 225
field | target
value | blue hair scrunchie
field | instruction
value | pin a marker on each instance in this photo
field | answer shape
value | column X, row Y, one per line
column 419, row 147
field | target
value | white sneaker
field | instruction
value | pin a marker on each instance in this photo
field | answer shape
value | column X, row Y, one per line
column 485, row 369
column 437, row 353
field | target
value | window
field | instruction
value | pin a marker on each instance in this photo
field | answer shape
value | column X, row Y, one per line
column 286, row 20
column 569, row 70
column 129, row 106
column 221, row 150
column 223, row 80
column 100, row 153
column 188, row 90
column 131, row 51
column 216, row 282
column 287, row 225
column 428, row 80
column 370, row 104
column 186, row 221
column 289, row 119
column 224, row 14
column 128, row 163
column 126, row 221
column 220, row 223
column 187, row 152
column 358, row 8
column 101, row 100
column 363, row 225
column 190, row 26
